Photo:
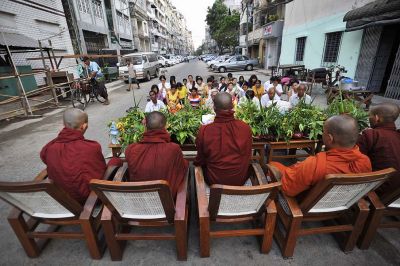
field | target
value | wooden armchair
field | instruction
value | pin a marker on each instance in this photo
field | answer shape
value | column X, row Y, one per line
column 338, row 198
column 382, row 209
column 236, row 204
column 45, row 203
column 142, row 204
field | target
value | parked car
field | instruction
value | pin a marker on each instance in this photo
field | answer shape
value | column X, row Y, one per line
column 162, row 60
column 219, row 59
column 170, row 60
column 237, row 62
column 145, row 64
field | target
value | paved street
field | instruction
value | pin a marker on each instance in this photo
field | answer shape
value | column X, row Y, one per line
column 21, row 142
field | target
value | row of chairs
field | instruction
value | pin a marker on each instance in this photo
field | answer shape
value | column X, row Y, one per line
column 115, row 207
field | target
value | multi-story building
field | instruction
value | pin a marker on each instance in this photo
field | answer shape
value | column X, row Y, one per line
column 210, row 45
column 22, row 24
column 140, row 21
column 98, row 24
column 261, row 27
column 233, row 4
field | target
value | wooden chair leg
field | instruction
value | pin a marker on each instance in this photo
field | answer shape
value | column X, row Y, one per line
column 370, row 228
column 115, row 246
column 361, row 217
column 291, row 237
column 269, row 226
column 21, row 229
column 91, row 240
column 204, row 237
column 181, row 239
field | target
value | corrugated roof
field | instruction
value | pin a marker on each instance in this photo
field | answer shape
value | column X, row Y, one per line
column 379, row 12
column 18, row 40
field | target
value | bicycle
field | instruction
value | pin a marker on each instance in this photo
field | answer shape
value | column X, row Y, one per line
column 85, row 91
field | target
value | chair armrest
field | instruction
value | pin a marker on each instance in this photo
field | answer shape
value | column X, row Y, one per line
column 41, row 176
column 122, row 173
column 293, row 205
column 362, row 204
column 375, row 201
column 110, row 172
column 202, row 201
column 275, row 174
column 181, row 199
column 88, row 208
column 259, row 173
column 271, row 207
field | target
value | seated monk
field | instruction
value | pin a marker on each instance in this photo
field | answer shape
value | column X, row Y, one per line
column 381, row 143
column 224, row 146
column 340, row 135
column 155, row 157
column 71, row 160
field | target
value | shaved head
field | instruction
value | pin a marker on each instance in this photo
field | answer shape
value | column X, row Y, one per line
column 155, row 120
column 74, row 118
column 223, row 101
column 387, row 112
column 343, row 129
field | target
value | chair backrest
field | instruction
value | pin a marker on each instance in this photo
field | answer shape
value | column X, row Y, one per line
column 151, row 200
column 240, row 201
column 40, row 199
column 338, row 192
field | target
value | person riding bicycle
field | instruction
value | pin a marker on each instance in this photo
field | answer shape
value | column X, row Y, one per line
column 96, row 76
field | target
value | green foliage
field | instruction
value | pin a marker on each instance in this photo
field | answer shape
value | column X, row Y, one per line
column 350, row 107
column 224, row 27
column 131, row 127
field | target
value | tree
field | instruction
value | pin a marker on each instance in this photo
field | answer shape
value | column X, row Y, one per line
column 199, row 50
column 224, row 25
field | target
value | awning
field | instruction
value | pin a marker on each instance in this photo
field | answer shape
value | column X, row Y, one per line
column 377, row 13
column 17, row 40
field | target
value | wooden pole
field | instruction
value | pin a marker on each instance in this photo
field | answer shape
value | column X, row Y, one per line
column 48, row 75
column 20, row 87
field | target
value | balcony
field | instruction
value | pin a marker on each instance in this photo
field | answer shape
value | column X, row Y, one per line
column 255, row 36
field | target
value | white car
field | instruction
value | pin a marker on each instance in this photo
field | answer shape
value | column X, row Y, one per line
column 170, row 60
column 162, row 61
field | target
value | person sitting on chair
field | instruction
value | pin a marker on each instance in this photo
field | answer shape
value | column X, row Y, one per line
column 71, row 160
column 381, row 143
column 224, row 146
column 155, row 157
column 340, row 135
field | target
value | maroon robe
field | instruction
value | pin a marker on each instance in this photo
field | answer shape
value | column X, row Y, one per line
column 382, row 145
column 224, row 150
column 157, row 158
column 72, row 161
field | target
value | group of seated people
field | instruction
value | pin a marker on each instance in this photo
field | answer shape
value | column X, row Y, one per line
column 224, row 150
column 174, row 95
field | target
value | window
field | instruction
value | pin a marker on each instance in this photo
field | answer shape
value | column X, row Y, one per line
column 119, row 18
column 332, row 46
column 300, row 47
column 7, row 20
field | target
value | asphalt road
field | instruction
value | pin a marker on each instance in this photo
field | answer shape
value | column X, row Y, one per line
column 20, row 144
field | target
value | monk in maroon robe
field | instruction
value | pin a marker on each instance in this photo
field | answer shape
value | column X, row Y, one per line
column 72, row 161
column 224, row 147
column 155, row 157
column 381, row 143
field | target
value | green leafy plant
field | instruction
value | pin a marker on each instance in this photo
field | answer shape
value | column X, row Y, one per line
column 348, row 106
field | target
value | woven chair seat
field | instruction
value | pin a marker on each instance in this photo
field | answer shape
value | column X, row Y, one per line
column 284, row 204
column 38, row 204
column 247, row 184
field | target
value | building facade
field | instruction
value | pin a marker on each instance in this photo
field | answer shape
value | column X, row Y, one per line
column 29, row 22
column 261, row 26
column 314, row 35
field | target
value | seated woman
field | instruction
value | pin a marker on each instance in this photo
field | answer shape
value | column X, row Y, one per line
column 294, row 84
column 258, row 89
column 194, row 98
column 173, row 100
column 182, row 92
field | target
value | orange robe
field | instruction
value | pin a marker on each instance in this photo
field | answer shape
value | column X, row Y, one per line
column 303, row 175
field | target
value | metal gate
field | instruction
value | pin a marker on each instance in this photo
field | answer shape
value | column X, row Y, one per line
column 368, row 51
column 393, row 88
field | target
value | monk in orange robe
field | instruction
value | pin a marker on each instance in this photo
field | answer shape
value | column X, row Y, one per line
column 155, row 157
column 224, row 146
column 342, row 156
column 72, row 161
